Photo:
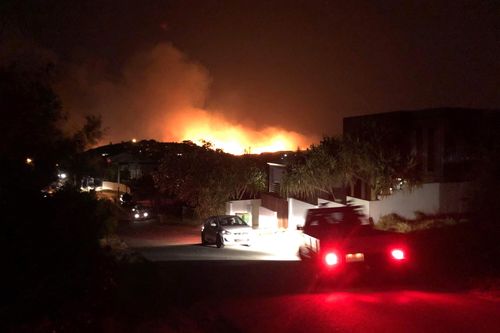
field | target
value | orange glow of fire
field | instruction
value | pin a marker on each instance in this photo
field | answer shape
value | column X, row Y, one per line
column 235, row 139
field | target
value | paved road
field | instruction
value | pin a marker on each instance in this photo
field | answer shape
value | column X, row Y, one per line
column 279, row 296
column 173, row 243
column 197, row 252
column 232, row 290
column 355, row 311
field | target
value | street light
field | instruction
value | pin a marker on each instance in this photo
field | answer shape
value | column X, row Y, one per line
column 29, row 161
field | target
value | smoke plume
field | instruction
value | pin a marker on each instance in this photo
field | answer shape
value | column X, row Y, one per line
column 161, row 94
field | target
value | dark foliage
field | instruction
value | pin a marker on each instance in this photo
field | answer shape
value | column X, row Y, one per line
column 50, row 244
column 52, row 250
column 335, row 163
column 205, row 179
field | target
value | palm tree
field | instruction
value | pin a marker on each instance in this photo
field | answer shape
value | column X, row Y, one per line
column 340, row 162
column 316, row 173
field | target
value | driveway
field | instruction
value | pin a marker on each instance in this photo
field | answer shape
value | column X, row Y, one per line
column 239, row 289
column 177, row 242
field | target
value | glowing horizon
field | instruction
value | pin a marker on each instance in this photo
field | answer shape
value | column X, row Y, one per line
column 237, row 142
column 199, row 125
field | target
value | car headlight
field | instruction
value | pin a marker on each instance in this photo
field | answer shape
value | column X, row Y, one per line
column 145, row 214
column 225, row 232
column 137, row 215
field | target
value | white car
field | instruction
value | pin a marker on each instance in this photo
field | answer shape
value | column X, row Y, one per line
column 226, row 230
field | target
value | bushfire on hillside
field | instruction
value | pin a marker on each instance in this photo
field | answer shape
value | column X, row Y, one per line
column 161, row 94
column 199, row 125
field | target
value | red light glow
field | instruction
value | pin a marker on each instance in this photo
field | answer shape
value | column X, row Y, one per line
column 331, row 259
column 398, row 254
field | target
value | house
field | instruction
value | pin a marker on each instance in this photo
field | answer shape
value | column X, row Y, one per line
column 272, row 211
column 133, row 166
column 444, row 142
column 275, row 176
column 133, row 160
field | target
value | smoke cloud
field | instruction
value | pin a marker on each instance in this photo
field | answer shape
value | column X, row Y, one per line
column 161, row 94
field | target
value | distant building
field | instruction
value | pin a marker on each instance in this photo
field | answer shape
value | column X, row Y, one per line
column 134, row 160
column 444, row 141
column 133, row 166
column 276, row 172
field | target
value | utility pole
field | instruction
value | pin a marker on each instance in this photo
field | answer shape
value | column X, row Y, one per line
column 118, row 181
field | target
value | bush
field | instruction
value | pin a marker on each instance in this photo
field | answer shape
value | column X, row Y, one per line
column 53, row 251
column 422, row 221
column 109, row 213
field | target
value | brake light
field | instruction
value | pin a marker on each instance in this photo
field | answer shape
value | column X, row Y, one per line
column 331, row 259
column 397, row 254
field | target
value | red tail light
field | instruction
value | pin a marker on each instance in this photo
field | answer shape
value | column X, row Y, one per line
column 398, row 254
column 331, row 259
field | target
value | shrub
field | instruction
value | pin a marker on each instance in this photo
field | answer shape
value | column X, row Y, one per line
column 422, row 221
column 53, row 250
column 109, row 213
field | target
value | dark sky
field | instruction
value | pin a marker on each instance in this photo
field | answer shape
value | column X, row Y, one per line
column 295, row 65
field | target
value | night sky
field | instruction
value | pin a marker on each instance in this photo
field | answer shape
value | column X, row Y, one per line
column 169, row 70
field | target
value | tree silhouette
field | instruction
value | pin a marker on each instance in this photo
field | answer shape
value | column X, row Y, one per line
column 31, row 127
column 205, row 179
column 339, row 162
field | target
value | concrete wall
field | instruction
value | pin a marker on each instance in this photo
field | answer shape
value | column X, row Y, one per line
column 432, row 198
column 365, row 204
column 407, row 202
column 404, row 202
column 297, row 211
column 268, row 219
column 245, row 207
column 328, row 204
column 429, row 198
column 112, row 186
column 455, row 197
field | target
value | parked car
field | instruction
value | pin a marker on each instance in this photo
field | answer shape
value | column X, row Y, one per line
column 140, row 213
column 226, row 230
column 337, row 240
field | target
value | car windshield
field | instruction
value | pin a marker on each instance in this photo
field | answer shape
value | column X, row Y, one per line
column 231, row 220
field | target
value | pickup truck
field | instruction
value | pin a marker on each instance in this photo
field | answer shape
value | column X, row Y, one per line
column 338, row 239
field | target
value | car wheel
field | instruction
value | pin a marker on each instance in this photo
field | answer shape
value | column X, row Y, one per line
column 203, row 240
column 219, row 242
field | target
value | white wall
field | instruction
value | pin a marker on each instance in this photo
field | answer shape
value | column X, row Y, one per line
column 364, row 204
column 297, row 211
column 431, row 198
column 245, row 206
column 268, row 219
column 238, row 206
column 406, row 202
column 112, row 186
column 261, row 217
column 455, row 197
column 328, row 203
